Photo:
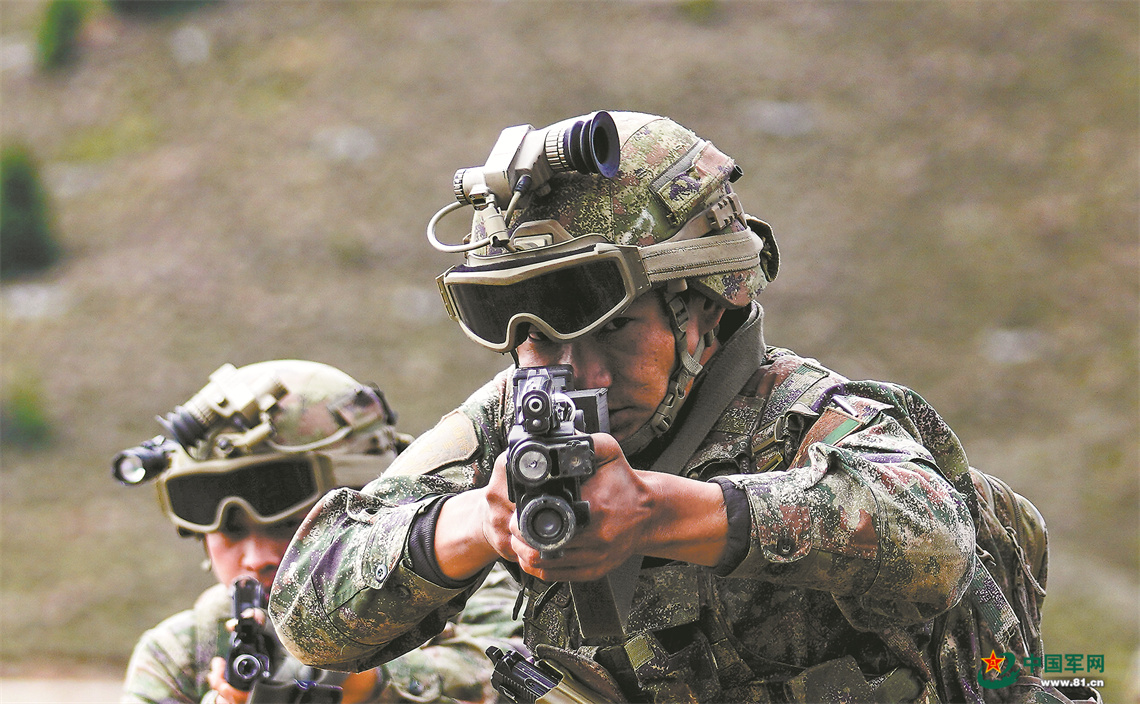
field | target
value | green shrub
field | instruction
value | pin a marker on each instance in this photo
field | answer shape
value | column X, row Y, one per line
column 155, row 8
column 699, row 11
column 59, row 33
column 27, row 242
column 23, row 421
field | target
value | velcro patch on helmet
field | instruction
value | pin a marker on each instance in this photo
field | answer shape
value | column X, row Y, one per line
column 688, row 183
column 451, row 441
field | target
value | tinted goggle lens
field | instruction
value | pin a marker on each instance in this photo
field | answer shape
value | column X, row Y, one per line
column 568, row 300
column 270, row 489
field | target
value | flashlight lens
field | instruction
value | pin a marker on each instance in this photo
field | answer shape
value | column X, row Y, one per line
column 130, row 469
column 533, row 465
column 141, row 463
column 247, row 666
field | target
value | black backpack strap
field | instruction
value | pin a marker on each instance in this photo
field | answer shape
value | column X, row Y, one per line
column 606, row 602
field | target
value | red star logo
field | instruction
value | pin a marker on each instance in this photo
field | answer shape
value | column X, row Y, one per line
column 993, row 662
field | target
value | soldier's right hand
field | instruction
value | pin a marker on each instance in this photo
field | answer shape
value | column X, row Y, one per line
column 500, row 513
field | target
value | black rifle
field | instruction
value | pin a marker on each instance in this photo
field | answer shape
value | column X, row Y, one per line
column 252, row 650
column 549, row 454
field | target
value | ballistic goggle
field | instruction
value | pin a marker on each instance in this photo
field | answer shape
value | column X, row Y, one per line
column 569, row 290
column 267, row 487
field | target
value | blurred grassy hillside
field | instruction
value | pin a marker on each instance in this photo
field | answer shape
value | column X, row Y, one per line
column 954, row 187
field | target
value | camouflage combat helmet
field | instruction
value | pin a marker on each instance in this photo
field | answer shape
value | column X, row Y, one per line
column 272, row 438
column 600, row 209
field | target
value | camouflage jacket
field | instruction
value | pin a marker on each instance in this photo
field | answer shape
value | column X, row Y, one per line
column 856, row 538
column 171, row 661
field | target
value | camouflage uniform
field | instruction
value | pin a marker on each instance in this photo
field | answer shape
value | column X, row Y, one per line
column 848, row 535
column 171, row 661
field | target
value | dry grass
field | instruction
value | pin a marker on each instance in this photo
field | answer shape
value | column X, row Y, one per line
column 953, row 185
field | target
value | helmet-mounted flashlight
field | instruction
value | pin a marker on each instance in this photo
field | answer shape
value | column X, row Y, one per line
column 144, row 462
column 521, row 162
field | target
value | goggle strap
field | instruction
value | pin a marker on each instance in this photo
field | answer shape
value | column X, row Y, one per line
column 670, row 260
column 340, row 434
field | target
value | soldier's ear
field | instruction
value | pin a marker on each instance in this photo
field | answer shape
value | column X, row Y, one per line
column 705, row 312
column 704, row 317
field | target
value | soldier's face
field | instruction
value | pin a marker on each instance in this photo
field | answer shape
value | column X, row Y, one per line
column 632, row 356
column 245, row 548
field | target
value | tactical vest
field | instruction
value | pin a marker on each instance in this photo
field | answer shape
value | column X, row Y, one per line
column 688, row 655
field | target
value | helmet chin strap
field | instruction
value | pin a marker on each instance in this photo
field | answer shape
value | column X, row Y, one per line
column 677, row 388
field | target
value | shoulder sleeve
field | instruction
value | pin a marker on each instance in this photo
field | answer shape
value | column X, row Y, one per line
column 347, row 597
column 163, row 667
column 865, row 510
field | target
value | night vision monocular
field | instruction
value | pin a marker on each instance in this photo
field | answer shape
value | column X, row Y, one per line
column 520, row 164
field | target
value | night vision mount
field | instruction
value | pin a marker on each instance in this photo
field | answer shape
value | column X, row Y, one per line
column 226, row 402
column 520, row 164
